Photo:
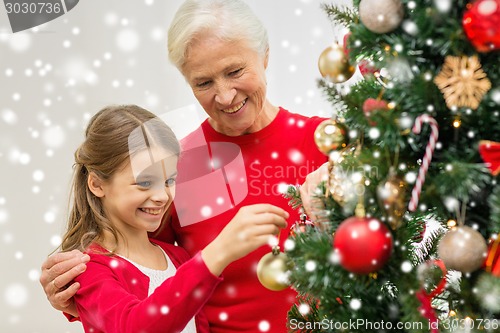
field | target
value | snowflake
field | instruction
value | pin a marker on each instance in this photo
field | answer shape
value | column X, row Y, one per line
column 462, row 81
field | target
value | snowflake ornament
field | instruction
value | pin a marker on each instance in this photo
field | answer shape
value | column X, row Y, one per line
column 462, row 82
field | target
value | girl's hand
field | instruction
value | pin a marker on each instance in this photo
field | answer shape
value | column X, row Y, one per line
column 251, row 227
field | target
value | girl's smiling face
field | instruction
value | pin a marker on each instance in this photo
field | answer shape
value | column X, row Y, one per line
column 139, row 193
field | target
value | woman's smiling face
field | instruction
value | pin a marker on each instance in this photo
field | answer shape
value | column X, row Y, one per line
column 228, row 80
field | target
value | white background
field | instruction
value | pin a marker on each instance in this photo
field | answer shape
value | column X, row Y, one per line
column 54, row 77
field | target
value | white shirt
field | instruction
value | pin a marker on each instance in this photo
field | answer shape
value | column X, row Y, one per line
column 156, row 278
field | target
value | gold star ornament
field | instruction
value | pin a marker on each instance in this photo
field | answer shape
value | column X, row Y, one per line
column 462, row 82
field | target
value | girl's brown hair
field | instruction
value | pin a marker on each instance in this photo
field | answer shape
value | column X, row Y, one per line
column 106, row 147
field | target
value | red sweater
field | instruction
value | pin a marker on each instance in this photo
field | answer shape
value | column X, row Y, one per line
column 217, row 179
column 113, row 297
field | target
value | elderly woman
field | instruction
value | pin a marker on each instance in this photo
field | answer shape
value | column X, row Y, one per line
column 241, row 155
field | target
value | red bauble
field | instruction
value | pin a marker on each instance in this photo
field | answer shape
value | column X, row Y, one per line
column 481, row 24
column 492, row 262
column 490, row 152
column 372, row 104
column 496, row 269
column 365, row 67
column 363, row 244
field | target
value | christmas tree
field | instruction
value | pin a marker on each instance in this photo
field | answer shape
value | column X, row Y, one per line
column 405, row 229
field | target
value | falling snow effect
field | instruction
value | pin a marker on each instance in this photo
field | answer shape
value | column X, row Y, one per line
column 56, row 76
column 16, row 295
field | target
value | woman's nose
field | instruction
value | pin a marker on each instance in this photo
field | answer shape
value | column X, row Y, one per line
column 225, row 94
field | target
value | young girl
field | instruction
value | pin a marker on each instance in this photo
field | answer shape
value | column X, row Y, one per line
column 124, row 182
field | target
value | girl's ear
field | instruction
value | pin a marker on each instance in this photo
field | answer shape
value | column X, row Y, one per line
column 95, row 185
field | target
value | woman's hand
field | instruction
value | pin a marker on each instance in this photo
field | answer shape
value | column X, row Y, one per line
column 57, row 273
column 251, row 227
column 308, row 189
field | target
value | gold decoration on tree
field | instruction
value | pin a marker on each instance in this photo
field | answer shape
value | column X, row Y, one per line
column 333, row 64
column 462, row 81
column 273, row 270
column 391, row 195
column 345, row 185
column 463, row 249
column 331, row 135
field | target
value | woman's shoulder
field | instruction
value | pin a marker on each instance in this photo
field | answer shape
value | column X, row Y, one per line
column 300, row 119
column 285, row 113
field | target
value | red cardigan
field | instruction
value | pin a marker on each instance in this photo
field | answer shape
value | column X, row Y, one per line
column 113, row 296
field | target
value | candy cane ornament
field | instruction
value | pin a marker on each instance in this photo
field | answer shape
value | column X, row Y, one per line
column 429, row 150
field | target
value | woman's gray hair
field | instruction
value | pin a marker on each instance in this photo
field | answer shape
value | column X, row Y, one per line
column 229, row 20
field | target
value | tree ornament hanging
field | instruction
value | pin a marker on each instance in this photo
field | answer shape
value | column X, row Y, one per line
column 371, row 105
column 462, row 82
column 496, row 269
column 363, row 244
column 481, row 24
column 331, row 135
column 381, row 16
column 300, row 226
column 462, row 249
column 345, row 185
column 492, row 262
column 273, row 270
column 490, row 153
column 334, row 64
column 391, row 195
column 425, row 298
column 426, row 161
column 366, row 67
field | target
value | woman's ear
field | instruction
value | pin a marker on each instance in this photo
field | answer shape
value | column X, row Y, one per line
column 266, row 58
column 95, row 185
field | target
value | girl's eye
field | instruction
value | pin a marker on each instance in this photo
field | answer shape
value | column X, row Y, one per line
column 170, row 182
column 144, row 184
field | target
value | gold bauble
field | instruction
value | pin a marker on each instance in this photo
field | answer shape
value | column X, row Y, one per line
column 391, row 194
column 331, row 135
column 342, row 185
column 463, row 249
column 273, row 270
column 334, row 64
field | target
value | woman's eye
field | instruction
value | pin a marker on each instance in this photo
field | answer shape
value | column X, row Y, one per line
column 144, row 184
column 170, row 182
column 236, row 71
column 203, row 84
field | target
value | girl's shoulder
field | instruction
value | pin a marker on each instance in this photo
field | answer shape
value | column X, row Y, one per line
column 176, row 253
column 101, row 255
